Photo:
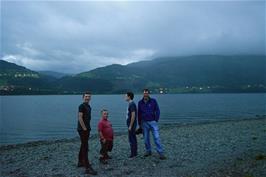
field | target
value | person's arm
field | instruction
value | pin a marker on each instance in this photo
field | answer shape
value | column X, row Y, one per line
column 132, row 119
column 139, row 115
column 157, row 111
column 81, row 121
column 101, row 136
column 100, row 128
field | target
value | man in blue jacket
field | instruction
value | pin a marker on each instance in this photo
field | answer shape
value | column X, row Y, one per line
column 148, row 116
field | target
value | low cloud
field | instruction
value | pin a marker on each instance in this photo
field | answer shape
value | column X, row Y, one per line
column 73, row 37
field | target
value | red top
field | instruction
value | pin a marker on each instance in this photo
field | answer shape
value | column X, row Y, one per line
column 105, row 127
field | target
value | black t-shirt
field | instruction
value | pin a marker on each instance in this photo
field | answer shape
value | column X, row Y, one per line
column 131, row 108
column 86, row 111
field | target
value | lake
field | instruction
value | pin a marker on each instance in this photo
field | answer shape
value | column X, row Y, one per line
column 32, row 118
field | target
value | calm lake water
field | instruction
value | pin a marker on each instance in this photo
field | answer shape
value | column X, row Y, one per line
column 32, row 118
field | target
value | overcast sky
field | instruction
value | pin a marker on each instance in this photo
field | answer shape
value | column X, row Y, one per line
column 73, row 37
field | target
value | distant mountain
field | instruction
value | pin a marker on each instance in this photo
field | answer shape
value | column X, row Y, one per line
column 205, row 73
column 54, row 74
column 192, row 74
column 74, row 84
column 15, row 79
column 11, row 67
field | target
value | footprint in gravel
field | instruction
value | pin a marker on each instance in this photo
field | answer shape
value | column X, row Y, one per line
column 110, row 169
column 18, row 172
column 15, row 171
column 128, row 172
column 172, row 166
column 58, row 175
column 156, row 161
column 54, row 169
column 176, row 166
column 45, row 158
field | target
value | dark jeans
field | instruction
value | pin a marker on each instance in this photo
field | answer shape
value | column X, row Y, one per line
column 106, row 147
column 133, row 141
column 83, row 152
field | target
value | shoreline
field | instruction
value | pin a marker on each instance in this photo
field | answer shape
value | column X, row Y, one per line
column 218, row 149
column 140, row 93
column 95, row 136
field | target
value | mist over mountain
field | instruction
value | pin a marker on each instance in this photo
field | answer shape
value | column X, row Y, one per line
column 55, row 74
column 191, row 74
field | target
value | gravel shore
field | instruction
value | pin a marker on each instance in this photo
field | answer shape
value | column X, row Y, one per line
column 219, row 149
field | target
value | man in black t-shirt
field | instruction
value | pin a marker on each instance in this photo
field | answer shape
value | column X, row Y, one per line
column 131, row 119
column 84, row 117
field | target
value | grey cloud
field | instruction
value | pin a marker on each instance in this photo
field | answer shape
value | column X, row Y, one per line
column 79, row 36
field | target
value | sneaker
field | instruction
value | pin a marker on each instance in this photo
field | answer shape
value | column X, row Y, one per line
column 90, row 171
column 103, row 161
column 139, row 131
column 147, row 154
column 162, row 157
column 132, row 156
column 108, row 157
column 80, row 164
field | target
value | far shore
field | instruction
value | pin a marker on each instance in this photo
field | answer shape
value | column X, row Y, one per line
column 137, row 93
column 224, row 148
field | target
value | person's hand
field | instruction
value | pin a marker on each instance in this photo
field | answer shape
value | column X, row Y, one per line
column 129, row 128
column 103, row 140
column 139, row 131
column 85, row 129
column 85, row 132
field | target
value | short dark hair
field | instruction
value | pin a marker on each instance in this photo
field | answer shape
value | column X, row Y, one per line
column 146, row 90
column 104, row 110
column 86, row 93
column 130, row 95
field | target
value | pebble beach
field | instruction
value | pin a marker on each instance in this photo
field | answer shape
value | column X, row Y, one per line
column 232, row 148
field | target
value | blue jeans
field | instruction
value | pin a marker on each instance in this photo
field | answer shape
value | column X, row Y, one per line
column 153, row 127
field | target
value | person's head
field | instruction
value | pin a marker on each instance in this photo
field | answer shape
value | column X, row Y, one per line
column 104, row 113
column 129, row 96
column 86, row 96
column 146, row 93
